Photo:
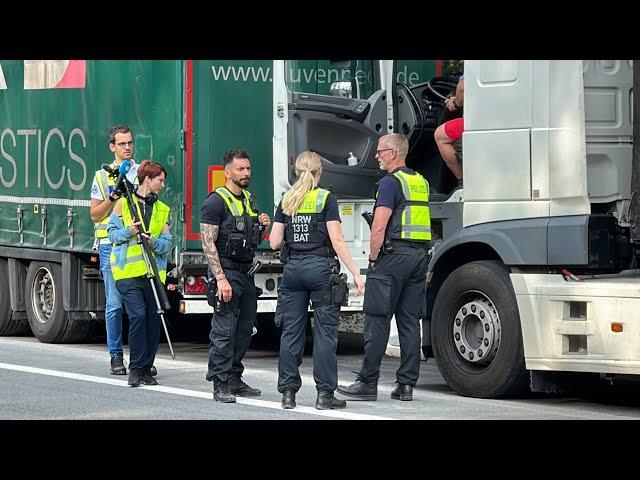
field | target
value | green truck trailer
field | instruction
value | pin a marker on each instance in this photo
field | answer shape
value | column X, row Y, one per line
column 54, row 122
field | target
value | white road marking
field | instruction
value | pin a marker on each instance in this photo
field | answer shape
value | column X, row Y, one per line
column 191, row 393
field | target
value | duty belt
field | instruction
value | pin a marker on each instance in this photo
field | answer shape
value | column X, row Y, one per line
column 319, row 251
column 407, row 243
column 228, row 264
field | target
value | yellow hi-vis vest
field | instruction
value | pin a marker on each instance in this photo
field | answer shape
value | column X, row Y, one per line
column 106, row 183
column 411, row 220
column 135, row 265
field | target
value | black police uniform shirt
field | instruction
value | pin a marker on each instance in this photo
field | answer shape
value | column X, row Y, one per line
column 213, row 209
column 330, row 210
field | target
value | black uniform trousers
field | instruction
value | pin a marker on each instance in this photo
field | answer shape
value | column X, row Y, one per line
column 307, row 277
column 396, row 284
column 144, row 321
column 231, row 332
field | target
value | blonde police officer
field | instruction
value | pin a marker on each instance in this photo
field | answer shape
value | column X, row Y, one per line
column 308, row 222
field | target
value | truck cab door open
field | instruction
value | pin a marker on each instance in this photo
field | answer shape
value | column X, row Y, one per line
column 418, row 111
column 337, row 109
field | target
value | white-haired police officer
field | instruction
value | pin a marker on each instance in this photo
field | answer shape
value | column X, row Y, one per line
column 396, row 277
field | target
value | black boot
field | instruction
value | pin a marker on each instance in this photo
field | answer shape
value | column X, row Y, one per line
column 241, row 389
column 403, row 392
column 153, row 371
column 117, row 365
column 326, row 401
column 221, row 392
column 147, row 378
column 136, row 377
column 289, row 399
column 360, row 390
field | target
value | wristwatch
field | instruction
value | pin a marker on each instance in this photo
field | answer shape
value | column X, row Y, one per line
column 112, row 199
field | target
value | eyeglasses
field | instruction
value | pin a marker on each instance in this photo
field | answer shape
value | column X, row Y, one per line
column 378, row 152
column 125, row 144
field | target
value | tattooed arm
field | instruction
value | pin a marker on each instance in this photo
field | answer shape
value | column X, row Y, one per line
column 209, row 234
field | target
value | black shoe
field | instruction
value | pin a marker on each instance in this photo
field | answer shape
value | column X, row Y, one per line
column 147, row 378
column 241, row 389
column 117, row 365
column 326, row 401
column 289, row 399
column 153, row 371
column 221, row 392
column 360, row 390
column 135, row 377
column 403, row 392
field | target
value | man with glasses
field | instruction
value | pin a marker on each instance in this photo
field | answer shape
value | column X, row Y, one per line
column 104, row 196
column 396, row 277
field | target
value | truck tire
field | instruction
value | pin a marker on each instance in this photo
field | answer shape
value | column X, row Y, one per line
column 47, row 318
column 477, row 337
column 9, row 326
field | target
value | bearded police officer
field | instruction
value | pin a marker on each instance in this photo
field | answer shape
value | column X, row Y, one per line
column 396, row 277
column 308, row 221
column 231, row 231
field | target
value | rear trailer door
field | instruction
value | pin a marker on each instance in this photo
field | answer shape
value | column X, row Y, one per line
column 228, row 106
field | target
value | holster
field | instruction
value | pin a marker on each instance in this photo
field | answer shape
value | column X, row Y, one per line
column 219, row 306
column 212, row 290
column 338, row 293
column 284, row 253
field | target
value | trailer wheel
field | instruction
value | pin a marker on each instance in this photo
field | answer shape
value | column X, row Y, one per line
column 47, row 318
column 477, row 338
column 9, row 326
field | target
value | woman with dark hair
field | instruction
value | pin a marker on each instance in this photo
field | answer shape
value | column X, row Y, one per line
column 130, row 270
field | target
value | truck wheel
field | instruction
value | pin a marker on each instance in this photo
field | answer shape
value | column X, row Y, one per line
column 49, row 322
column 8, row 325
column 477, row 338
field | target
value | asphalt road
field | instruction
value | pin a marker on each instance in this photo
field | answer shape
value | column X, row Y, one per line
column 72, row 382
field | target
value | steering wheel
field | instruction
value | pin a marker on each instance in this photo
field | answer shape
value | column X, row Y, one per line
column 420, row 119
column 440, row 84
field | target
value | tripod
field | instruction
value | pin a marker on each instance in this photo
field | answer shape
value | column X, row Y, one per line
column 159, row 294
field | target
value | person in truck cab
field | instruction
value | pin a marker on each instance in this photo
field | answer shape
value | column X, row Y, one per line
column 448, row 136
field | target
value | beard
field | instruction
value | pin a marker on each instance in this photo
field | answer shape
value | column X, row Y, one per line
column 242, row 183
column 382, row 167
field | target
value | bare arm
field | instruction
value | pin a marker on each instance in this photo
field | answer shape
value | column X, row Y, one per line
column 380, row 219
column 337, row 240
column 209, row 235
column 460, row 93
column 459, row 98
column 277, row 235
column 100, row 209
